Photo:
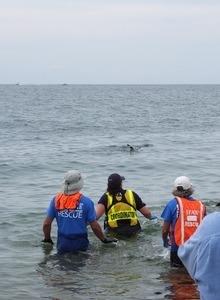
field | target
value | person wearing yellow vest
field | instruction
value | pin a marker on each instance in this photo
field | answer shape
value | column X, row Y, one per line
column 120, row 207
column 182, row 216
column 73, row 212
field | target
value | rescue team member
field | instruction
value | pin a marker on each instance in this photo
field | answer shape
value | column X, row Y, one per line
column 120, row 207
column 72, row 211
column 182, row 215
column 200, row 256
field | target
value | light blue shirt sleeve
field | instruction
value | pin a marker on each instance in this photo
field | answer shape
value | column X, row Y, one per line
column 200, row 255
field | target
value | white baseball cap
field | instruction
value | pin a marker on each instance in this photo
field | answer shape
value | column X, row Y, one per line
column 182, row 181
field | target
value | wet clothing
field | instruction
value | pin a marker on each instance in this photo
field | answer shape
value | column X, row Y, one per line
column 171, row 214
column 121, row 212
column 72, row 223
column 200, row 255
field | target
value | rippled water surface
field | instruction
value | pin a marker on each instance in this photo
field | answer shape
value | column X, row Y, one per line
column 47, row 130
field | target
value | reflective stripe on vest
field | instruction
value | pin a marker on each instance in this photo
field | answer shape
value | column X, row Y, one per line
column 191, row 213
column 121, row 209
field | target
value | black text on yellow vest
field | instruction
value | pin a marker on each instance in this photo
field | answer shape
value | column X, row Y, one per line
column 124, row 209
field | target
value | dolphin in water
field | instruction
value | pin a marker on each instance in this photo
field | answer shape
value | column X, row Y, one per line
column 131, row 147
column 136, row 148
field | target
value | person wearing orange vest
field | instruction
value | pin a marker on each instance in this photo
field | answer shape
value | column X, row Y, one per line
column 182, row 216
column 120, row 207
column 73, row 212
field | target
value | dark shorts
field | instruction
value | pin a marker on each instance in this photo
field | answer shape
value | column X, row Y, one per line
column 125, row 231
column 175, row 260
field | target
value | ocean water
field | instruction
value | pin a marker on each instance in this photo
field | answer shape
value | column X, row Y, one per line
column 46, row 130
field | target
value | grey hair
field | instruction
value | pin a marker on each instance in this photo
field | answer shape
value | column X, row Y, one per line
column 183, row 193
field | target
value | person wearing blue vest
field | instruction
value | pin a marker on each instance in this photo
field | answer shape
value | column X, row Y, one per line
column 73, row 212
column 200, row 256
column 120, row 207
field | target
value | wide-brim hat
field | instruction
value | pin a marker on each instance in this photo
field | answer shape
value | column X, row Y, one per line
column 73, row 182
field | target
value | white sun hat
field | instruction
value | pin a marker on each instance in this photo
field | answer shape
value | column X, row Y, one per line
column 72, row 183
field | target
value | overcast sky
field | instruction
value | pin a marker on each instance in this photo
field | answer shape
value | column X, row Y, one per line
column 110, row 41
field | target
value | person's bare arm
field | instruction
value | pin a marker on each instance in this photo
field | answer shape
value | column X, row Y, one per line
column 165, row 229
column 145, row 212
column 100, row 209
column 96, row 228
column 165, row 233
column 47, row 228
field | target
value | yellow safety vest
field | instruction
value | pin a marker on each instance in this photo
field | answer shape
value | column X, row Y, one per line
column 121, row 207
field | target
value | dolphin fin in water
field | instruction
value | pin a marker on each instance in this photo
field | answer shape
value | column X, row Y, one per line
column 131, row 148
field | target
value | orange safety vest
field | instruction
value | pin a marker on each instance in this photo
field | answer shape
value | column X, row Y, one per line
column 67, row 201
column 191, row 213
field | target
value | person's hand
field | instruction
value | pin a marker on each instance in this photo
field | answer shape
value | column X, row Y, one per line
column 165, row 242
column 47, row 241
column 108, row 240
column 153, row 217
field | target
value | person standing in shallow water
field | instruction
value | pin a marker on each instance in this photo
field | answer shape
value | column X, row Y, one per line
column 182, row 215
column 120, row 207
column 73, row 212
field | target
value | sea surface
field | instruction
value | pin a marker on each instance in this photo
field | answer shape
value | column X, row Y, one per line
column 46, row 130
